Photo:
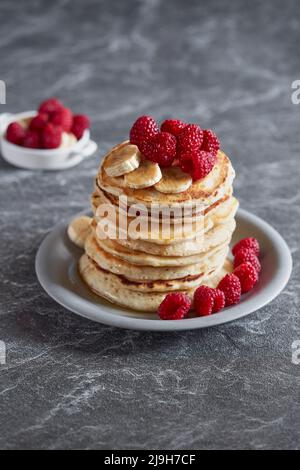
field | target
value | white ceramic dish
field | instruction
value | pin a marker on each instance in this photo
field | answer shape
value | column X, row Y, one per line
column 39, row 159
column 56, row 268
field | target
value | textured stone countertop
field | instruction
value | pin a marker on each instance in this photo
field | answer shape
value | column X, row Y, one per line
column 71, row 383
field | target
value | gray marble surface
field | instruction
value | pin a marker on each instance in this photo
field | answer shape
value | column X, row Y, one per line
column 70, row 383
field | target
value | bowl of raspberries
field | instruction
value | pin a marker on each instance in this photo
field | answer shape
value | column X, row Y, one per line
column 50, row 138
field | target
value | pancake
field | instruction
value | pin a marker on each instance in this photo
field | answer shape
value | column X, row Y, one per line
column 217, row 235
column 110, row 287
column 162, row 285
column 142, row 229
column 161, row 233
column 140, row 274
column 205, row 191
column 144, row 259
column 101, row 197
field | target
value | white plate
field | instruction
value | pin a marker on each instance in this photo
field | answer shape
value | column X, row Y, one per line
column 56, row 268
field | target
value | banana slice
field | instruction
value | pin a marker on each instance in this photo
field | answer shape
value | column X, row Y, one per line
column 122, row 160
column 67, row 140
column 173, row 181
column 79, row 229
column 147, row 174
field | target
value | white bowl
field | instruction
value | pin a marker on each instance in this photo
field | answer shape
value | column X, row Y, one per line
column 40, row 159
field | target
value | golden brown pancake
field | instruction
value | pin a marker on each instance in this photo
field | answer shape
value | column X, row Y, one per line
column 113, row 288
column 205, row 191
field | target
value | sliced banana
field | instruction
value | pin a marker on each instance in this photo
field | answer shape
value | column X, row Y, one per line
column 146, row 175
column 122, row 160
column 25, row 122
column 67, row 140
column 79, row 229
column 173, row 181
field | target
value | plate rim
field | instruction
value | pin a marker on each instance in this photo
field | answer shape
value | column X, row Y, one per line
column 280, row 280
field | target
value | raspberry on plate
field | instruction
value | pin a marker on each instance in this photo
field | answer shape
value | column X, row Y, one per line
column 208, row 300
column 62, row 118
column 173, row 126
column 175, row 306
column 250, row 243
column 210, row 142
column 219, row 302
column 190, row 138
column 15, row 133
column 81, row 122
column 197, row 163
column 231, row 286
column 161, row 149
column 50, row 106
column 51, row 136
column 38, row 122
column 142, row 130
column 32, row 139
column 247, row 275
column 245, row 255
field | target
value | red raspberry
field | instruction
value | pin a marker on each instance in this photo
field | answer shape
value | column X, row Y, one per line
column 62, row 118
column 15, row 133
column 231, row 286
column 32, row 139
column 219, row 300
column 38, row 122
column 250, row 243
column 245, row 255
column 247, row 275
column 81, row 122
column 173, row 126
column 208, row 300
column 50, row 106
column 175, row 306
column 210, row 142
column 51, row 136
column 142, row 130
column 161, row 149
column 190, row 138
column 197, row 163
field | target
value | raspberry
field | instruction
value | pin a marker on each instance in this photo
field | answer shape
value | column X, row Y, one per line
column 247, row 275
column 142, row 130
column 81, row 122
column 32, row 140
column 208, row 300
column 62, row 118
column 51, row 136
column 250, row 243
column 50, row 106
column 231, row 286
column 175, row 306
column 15, row 133
column 173, row 126
column 197, row 163
column 161, row 149
column 190, row 138
column 219, row 300
column 245, row 255
column 38, row 122
column 210, row 142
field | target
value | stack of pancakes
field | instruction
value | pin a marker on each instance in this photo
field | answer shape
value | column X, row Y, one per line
column 136, row 270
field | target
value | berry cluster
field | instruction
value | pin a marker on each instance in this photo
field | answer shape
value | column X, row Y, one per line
column 45, row 129
column 193, row 149
column 247, row 267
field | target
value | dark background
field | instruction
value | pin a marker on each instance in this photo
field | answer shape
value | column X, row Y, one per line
column 228, row 65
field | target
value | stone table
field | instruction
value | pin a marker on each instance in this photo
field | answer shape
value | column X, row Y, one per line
column 70, row 383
